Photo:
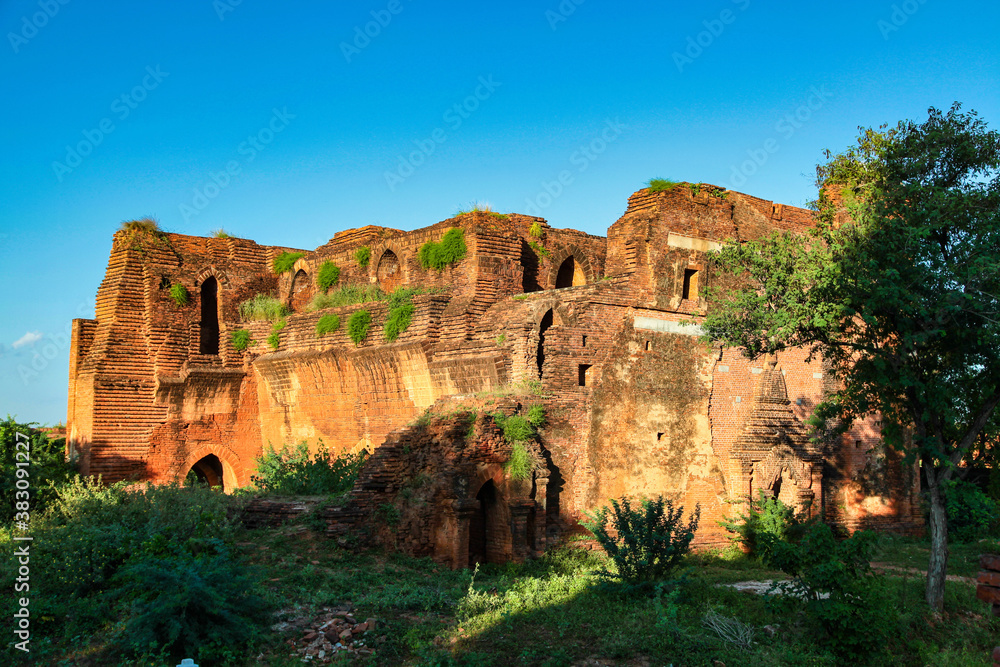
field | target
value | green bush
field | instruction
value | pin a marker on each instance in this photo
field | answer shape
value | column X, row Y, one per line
column 180, row 294
column 542, row 252
column 274, row 338
column 262, row 307
column 401, row 311
column 241, row 339
column 647, row 543
column 96, row 549
column 767, row 519
column 329, row 275
column 285, row 261
column 449, row 250
column 517, row 428
column 536, row 415
column 48, row 470
column 972, row 515
column 847, row 608
column 296, row 472
column 327, row 324
column 519, row 465
column 358, row 325
column 187, row 604
column 661, row 185
column 535, row 230
column 347, row 295
column 362, row 256
column 221, row 234
column 398, row 321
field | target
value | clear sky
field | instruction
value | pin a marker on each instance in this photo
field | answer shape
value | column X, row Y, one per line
column 286, row 122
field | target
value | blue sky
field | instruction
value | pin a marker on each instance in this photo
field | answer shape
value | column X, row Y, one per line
column 286, row 122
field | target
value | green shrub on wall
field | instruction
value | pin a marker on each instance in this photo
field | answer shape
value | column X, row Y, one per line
column 274, row 339
column 346, row 295
column 358, row 325
column 519, row 465
column 449, row 250
column 398, row 321
column 285, row 261
column 327, row 324
column 362, row 256
column 241, row 339
column 180, row 294
column 401, row 311
column 262, row 307
column 329, row 275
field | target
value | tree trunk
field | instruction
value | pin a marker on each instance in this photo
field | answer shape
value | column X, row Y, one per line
column 938, row 527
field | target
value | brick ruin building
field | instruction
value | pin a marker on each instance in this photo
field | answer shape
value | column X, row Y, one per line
column 636, row 404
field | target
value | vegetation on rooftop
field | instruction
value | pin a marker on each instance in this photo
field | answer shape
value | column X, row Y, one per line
column 661, row 184
column 142, row 226
column 221, row 234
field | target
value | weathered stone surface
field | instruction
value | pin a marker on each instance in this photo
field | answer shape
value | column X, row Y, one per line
column 636, row 404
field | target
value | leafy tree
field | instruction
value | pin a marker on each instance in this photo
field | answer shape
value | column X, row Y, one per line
column 47, row 467
column 897, row 288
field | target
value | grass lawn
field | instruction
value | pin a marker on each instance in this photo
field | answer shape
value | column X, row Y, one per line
column 555, row 611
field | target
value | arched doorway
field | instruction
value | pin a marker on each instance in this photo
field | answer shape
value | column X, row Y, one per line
column 482, row 526
column 299, row 295
column 208, row 470
column 388, row 271
column 209, row 334
column 542, row 328
column 570, row 274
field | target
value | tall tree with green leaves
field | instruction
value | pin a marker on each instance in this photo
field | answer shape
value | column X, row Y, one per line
column 897, row 288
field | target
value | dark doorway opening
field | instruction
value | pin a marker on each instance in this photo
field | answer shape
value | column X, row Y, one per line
column 529, row 262
column 479, row 524
column 209, row 471
column 209, row 342
column 566, row 271
column 542, row 328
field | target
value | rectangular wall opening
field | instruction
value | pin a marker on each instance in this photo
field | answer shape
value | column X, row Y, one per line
column 583, row 341
column 659, row 437
column 690, row 290
column 584, row 378
column 649, row 346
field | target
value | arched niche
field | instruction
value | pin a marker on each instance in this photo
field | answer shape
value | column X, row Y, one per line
column 299, row 293
column 389, row 271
